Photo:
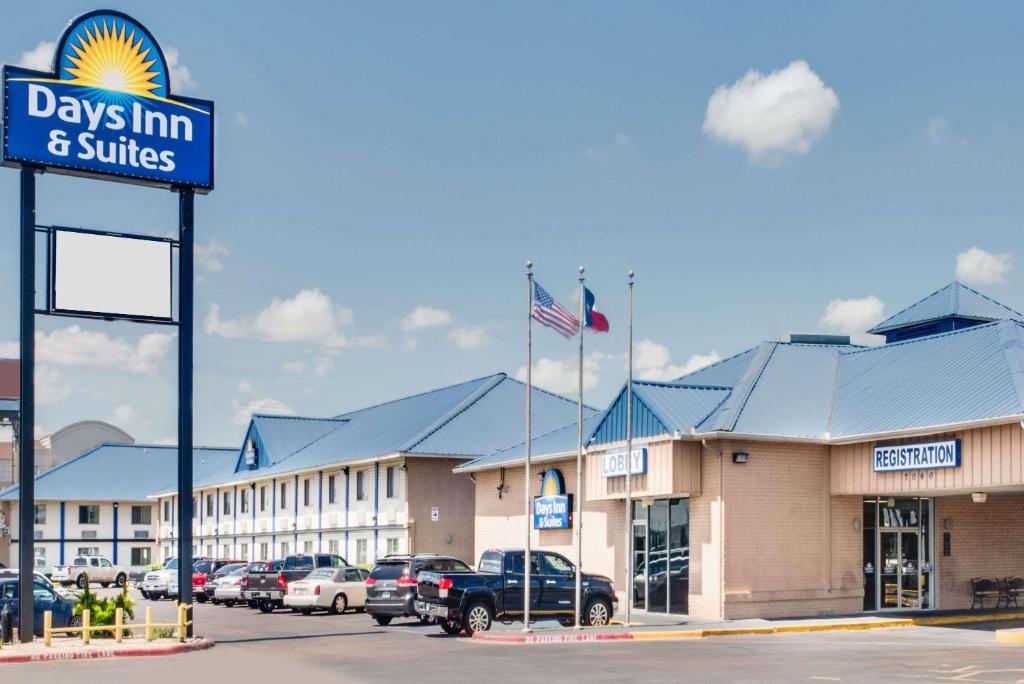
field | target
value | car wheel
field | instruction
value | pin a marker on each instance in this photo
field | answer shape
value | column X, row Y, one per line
column 254, row 604
column 80, row 582
column 145, row 594
column 105, row 585
column 339, row 605
column 306, row 611
column 426, row 620
column 266, row 607
column 451, row 626
column 229, row 604
column 598, row 613
column 215, row 601
column 567, row 622
column 382, row 620
column 75, row 621
column 121, row 580
column 201, row 598
column 478, row 618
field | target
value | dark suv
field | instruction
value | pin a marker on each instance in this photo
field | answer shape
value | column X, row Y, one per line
column 391, row 587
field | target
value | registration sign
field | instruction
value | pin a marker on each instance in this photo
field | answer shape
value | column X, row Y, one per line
column 919, row 456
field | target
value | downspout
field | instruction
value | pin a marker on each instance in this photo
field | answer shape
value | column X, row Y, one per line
column 62, row 533
column 346, row 471
column 218, row 504
column 253, row 504
column 320, row 512
column 116, row 512
column 376, row 510
column 295, row 517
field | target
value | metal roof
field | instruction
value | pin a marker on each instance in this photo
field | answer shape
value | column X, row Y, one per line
column 120, row 472
column 955, row 299
column 559, row 442
column 724, row 373
column 659, row 408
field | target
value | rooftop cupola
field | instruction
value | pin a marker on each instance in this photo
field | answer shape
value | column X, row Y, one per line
column 953, row 307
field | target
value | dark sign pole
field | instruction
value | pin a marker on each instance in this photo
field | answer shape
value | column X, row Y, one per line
column 186, row 256
column 26, row 429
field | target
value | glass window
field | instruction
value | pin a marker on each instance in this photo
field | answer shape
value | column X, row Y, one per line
column 141, row 555
column 209, row 505
column 142, row 515
column 517, row 563
column 386, row 571
column 390, row 475
column 227, row 550
column 338, row 562
column 40, row 514
column 360, row 487
column 104, row 563
column 321, row 573
column 361, row 551
column 284, row 495
column 227, row 503
column 40, row 557
column 352, row 575
column 243, row 504
column 88, row 515
column 244, row 555
column 264, row 549
column 298, row 563
column 392, row 545
column 556, row 565
column 490, row 562
column 305, row 492
column 330, row 489
column 332, row 546
column 86, row 551
column 307, row 547
column 285, row 548
column 263, row 498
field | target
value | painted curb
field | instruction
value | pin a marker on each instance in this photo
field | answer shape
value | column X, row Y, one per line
column 1008, row 636
column 130, row 652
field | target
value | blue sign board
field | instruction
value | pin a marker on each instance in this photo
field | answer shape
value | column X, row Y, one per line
column 920, row 456
column 106, row 110
column 552, row 508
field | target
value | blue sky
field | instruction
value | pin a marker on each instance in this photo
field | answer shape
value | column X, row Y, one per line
column 373, row 160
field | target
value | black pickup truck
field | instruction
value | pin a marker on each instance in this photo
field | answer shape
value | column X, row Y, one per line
column 267, row 588
column 471, row 601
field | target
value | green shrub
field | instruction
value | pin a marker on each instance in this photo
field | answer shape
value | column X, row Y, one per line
column 103, row 611
column 164, row 633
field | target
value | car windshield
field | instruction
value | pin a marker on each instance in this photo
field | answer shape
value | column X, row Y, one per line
column 322, row 573
column 255, row 567
column 231, row 568
column 490, row 562
column 81, row 561
column 202, row 566
column 298, row 563
column 389, row 571
column 171, row 564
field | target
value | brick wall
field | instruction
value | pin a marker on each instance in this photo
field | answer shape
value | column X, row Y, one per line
column 985, row 542
column 502, row 522
column 706, row 527
column 431, row 483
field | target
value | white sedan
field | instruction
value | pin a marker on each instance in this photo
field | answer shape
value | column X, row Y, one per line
column 228, row 589
column 332, row 589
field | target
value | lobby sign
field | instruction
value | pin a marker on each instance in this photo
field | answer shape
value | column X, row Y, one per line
column 551, row 509
column 613, row 463
column 920, row 456
column 106, row 110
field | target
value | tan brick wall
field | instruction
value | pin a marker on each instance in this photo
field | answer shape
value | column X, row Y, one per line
column 790, row 548
column 706, row 529
column 431, row 483
column 985, row 540
column 502, row 522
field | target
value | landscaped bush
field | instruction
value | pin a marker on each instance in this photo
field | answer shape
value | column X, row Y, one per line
column 102, row 611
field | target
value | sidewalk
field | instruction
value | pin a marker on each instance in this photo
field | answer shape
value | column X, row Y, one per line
column 74, row 649
column 659, row 627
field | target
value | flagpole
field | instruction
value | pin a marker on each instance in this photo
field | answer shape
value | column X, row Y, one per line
column 579, row 472
column 629, row 459
column 527, row 487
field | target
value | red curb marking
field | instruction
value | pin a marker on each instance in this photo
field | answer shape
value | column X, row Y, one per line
column 104, row 653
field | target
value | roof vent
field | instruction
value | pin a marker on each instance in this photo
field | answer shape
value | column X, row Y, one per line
column 819, row 339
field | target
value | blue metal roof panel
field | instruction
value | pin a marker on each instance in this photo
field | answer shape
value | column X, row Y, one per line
column 563, row 440
column 495, row 420
column 724, row 373
column 121, row 472
column 970, row 374
column 659, row 408
column 955, row 299
column 283, row 436
column 793, row 394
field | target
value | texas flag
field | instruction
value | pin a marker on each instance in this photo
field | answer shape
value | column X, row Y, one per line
column 592, row 318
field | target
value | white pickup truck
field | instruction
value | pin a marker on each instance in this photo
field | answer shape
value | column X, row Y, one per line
column 96, row 568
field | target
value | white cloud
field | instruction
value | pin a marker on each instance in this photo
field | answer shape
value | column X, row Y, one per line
column 123, row 414
column 426, row 317
column 73, row 346
column 469, row 338
column 39, row 58
column 562, row 375
column 309, row 316
column 653, row 361
column 937, row 129
column 181, row 77
column 978, row 267
column 854, row 317
column 209, row 256
column 244, row 411
column 785, row 111
column 323, row 366
column 51, row 388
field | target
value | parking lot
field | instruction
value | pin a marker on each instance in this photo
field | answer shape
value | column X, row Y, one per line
column 352, row 648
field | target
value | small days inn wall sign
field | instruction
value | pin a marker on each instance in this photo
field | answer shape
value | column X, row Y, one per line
column 919, row 456
column 106, row 110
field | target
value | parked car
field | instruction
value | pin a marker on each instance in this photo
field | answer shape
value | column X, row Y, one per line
column 214, row 577
column 391, row 586
column 205, row 574
column 157, row 583
column 96, row 568
column 471, row 601
column 332, row 589
column 227, row 589
column 269, row 586
column 44, row 598
column 257, row 566
column 136, row 575
column 12, row 573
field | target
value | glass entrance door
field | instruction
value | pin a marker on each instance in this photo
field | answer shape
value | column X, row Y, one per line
column 900, row 571
column 640, row 564
column 661, row 556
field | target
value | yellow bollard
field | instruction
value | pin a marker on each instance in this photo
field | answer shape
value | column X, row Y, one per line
column 47, row 626
column 181, row 622
column 118, row 624
column 149, row 623
column 85, row 626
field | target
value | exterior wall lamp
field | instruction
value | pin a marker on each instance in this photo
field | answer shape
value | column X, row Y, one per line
column 740, row 457
column 979, row 497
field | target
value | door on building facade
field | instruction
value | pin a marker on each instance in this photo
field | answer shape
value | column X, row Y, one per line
column 903, row 554
column 662, row 573
column 901, row 569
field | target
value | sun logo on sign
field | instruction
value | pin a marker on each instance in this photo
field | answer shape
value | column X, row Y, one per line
column 551, row 484
column 109, row 57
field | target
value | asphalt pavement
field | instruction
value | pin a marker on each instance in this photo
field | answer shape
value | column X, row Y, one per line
column 252, row 646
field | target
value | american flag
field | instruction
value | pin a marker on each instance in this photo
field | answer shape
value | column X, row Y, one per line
column 547, row 311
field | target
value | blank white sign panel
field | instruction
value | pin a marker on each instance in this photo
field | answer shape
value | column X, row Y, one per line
column 107, row 274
